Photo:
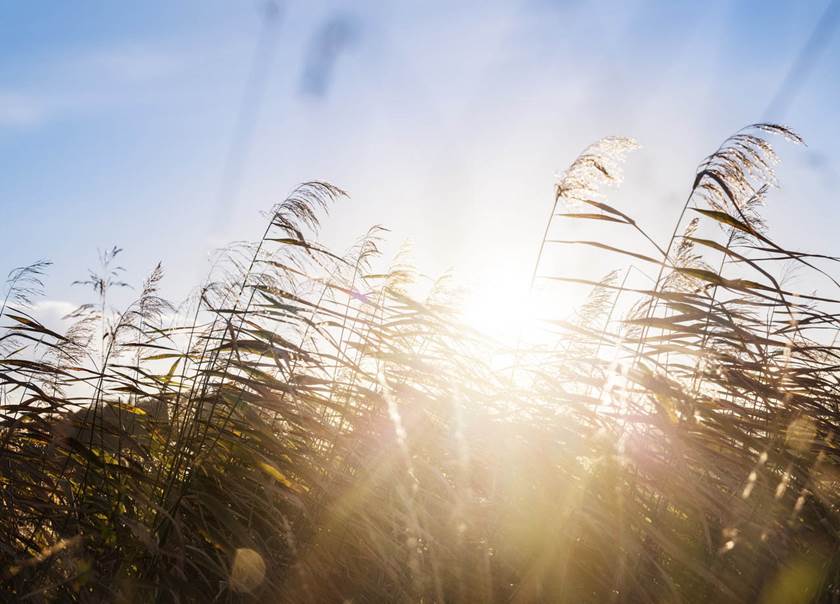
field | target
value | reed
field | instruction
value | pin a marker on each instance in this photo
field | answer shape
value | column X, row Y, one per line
column 303, row 429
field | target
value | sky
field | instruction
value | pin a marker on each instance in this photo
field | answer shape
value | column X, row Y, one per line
column 169, row 128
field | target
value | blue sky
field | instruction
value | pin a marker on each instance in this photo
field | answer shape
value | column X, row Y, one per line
column 446, row 122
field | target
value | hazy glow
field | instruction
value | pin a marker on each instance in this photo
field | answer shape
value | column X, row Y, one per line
column 510, row 313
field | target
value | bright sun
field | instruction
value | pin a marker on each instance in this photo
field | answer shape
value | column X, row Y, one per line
column 506, row 313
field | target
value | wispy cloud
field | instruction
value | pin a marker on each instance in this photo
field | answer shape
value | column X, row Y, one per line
column 129, row 63
column 17, row 109
column 52, row 312
column 88, row 81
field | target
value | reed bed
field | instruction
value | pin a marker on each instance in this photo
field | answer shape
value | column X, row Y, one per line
column 307, row 429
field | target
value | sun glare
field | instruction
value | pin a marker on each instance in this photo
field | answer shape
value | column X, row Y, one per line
column 506, row 313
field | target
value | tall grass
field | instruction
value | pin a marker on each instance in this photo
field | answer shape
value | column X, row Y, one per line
column 305, row 430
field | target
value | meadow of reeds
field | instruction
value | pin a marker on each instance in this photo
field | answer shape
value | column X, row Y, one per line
column 304, row 429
